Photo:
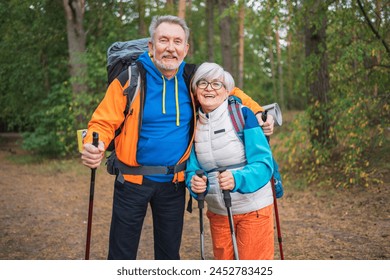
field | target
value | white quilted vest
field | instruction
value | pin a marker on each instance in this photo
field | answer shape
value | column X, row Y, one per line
column 218, row 145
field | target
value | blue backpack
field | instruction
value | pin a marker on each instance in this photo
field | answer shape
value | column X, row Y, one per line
column 238, row 123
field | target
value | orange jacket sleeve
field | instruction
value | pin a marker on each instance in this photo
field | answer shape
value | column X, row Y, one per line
column 247, row 100
column 108, row 116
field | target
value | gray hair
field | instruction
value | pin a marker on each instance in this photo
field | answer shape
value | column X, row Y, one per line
column 157, row 20
column 212, row 71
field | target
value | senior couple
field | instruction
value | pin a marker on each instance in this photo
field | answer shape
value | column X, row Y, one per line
column 185, row 129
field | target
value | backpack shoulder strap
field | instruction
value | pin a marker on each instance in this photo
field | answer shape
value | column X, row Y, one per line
column 236, row 115
column 135, row 79
column 189, row 71
column 123, row 77
column 134, row 75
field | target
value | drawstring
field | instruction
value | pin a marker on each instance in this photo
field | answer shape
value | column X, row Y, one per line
column 176, row 99
column 177, row 102
column 163, row 97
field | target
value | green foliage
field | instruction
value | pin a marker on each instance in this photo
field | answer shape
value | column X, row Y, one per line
column 35, row 84
column 353, row 162
column 32, row 54
column 359, row 121
column 359, row 93
column 294, row 147
column 357, row 111
column 360, row 126
column 52, row 133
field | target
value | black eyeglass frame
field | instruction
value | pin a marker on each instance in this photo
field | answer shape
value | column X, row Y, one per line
column 216, row 85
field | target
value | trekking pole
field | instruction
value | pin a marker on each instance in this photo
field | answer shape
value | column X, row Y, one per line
column 279, row 233
column 228, row 203
column 277, row 219
column 200, row 173
column 95, row 142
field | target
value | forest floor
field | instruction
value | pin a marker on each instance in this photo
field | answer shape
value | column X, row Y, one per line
column 44, row 210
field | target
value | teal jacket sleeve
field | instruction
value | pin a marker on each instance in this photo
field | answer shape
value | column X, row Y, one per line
column 192, row 166
column 259, row 168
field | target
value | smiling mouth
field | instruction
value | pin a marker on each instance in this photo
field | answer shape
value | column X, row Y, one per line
column 169, row 57
column 209, row 95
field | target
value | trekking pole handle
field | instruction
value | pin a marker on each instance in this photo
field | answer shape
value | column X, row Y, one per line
column 95, row 141
column 226, row 193
column 200, row 173
column 264, row 118
column 264, row 115
column 95, row 137
column 227, row 198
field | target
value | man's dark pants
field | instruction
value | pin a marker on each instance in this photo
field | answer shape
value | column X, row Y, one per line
column 130, row 203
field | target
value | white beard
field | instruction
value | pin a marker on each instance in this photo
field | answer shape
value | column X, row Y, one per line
column 164, row 66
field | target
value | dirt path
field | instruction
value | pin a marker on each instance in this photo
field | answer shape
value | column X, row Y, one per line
column 44, row 209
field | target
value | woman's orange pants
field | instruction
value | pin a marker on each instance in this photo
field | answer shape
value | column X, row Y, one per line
column 254, row 235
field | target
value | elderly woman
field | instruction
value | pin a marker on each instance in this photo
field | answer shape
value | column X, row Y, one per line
column 248, row 164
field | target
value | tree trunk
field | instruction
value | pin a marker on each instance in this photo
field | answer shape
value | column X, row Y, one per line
column 190, row 25
column 182, row 9
column 241, row 17
column 226, row 41
column 271, row 56
column 210, row 29
column 289, row 53
column 141, row 16
column 378, row 9
column 280, row 66
column 121, row 9
column 170, row 7
column 318, row 77
column 74, row 11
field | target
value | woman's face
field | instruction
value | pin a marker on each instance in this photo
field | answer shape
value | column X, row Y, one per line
column 210, row 94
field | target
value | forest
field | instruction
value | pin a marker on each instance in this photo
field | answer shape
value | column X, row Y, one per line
column 326, row 63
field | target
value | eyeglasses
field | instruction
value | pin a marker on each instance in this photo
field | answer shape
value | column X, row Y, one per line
column 202, row 84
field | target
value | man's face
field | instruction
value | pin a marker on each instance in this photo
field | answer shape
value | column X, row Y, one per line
column 170, row 47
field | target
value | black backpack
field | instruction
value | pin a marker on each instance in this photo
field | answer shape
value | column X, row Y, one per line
column 121, row 55
column 121, row 58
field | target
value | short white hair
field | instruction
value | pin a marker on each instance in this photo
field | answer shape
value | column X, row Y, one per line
column 157, row 20
column 212, row 71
